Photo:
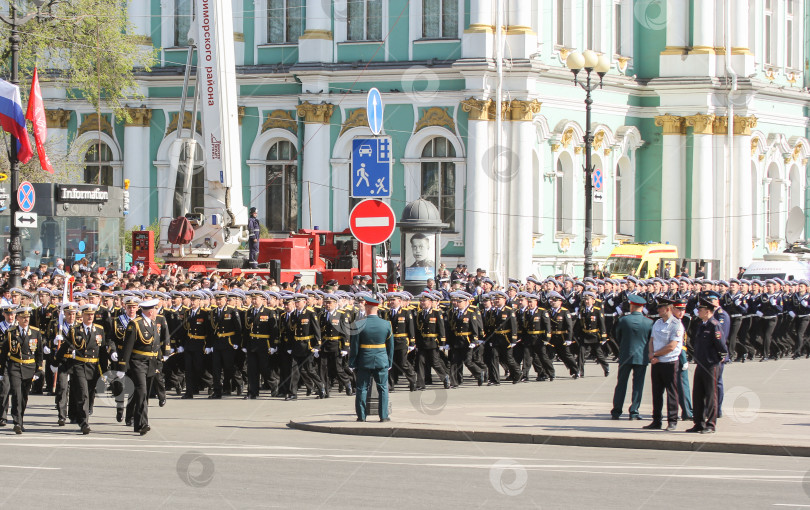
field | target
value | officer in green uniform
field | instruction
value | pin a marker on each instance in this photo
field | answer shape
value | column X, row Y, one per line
column 633, row 334
column 371, row 354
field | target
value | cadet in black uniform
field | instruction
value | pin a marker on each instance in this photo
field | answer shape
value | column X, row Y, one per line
column 430, row 336
column 538, row 336
column 197, row 327
column 139, row 360
column 465, row 334
column 402, row 323
column 334, row 345
column 85, row 341
column 224, row 338
column 260, row 327
column 562, row 332
column 303, row 341
column 591, row 333
column 501, row 330
column 21, row 355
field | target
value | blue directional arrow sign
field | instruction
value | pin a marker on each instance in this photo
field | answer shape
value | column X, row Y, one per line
column 374, row 110
column 371, row 167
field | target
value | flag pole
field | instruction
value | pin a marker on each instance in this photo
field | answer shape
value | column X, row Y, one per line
column 14, row 245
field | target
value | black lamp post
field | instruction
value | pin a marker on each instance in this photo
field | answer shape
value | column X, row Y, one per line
column 591, row 62
column 16, row 21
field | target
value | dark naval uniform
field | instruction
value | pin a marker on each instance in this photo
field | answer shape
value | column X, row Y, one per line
column 430, row 335
column 334, row 343
column 591, row 333
column 85, row 344
column 253, row 241
column 537, row 334
column 21, row 355
column 465, row 333
column 225, row 337
column 139, row 360
column 260, row 327
column 304, row 336
column 197, row 330
column 562, row 335
column 709, row 353
column 403, row 326
column 501, row 330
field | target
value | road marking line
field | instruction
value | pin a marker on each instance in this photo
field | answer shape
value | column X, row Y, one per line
column 2, row 466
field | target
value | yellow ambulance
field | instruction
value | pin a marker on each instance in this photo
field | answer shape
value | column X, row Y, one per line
column 640, row 259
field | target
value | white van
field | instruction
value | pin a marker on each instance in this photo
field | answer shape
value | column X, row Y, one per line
column 787, row 266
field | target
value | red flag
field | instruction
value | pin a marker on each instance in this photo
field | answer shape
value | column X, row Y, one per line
column 36, row 114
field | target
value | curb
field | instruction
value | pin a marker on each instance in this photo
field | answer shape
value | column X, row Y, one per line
column 556, row 440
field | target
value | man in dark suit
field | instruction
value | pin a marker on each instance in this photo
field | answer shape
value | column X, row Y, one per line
column 633, row 334
column 371, row 354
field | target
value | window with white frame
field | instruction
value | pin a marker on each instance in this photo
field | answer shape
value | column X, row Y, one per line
column 789, row 56
column 767, row 26
column 197, row 192
column 282, row 187
column 617, row 27
column 439, row 178
column 564, row 193
column 559, row 26
column 285, row 21
column 440, row 19
column 183, row 14
column 98, row 164
column 364, row 20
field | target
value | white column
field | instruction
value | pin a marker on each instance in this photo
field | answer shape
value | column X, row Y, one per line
column 478, row 39
column 315, row 174
column 136, row 166
column 478, row 246
column 703, row 197
column 742, row 219
column 742, row 58
column 720, row 191
column 521, row 40
column 673, row 226
column 315, row 44
column 521, row 197
column 139, row 14
column 677, row 37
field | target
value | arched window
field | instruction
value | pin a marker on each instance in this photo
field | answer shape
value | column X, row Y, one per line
column 97, row 167
column 774, row 201
column 564, row 195
column 795, row 189
column 194, row 197
column 183, row 14
column 439, row 178
column 282, row 187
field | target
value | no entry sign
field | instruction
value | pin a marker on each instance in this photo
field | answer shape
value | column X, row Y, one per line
column 372, row 221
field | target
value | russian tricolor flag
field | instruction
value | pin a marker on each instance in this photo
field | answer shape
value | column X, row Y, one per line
column 12, row 119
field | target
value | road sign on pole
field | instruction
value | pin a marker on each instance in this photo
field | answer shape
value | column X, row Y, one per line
column 371, row 167
column 25, row 219
column 598, row 185
column 372, row 221
column 374, row 110
column 26, row 196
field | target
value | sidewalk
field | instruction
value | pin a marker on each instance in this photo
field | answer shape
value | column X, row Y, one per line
column 759, row 418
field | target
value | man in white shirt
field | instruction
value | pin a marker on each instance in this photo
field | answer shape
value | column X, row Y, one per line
column 666, row 342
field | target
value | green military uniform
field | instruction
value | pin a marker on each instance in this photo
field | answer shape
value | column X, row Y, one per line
column 633, row 334
column 371, row 354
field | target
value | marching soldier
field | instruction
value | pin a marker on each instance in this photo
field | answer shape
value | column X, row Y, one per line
column 591, row 333
column 430, row 337
column 402, row 323
column 85, row 341
column 562, row 332
column 226, row 332
column 139, row 360
column 303, row 343
column 334, row 345
column 465, row 334
column 197, row 329
column 21, row 354
column 537, row 335
column 500, row 328
column 260, row 328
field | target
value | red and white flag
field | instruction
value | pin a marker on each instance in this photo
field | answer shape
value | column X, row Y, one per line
column 36, row 114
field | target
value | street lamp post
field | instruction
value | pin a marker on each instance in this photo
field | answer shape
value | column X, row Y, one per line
column 591, row 62
column 16, row 21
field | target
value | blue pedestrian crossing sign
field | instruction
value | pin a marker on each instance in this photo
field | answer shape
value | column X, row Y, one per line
column 371, row 167
column 374, row 111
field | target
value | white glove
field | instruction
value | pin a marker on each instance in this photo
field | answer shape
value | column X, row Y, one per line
column 165, row 358
column 513, row 344
column 114, row 356
column 45, row 350
column 235, row 347
column 773, row 301
column 759, row 314
column 344, row 353
column 567, row 342
column 1, row 377
column 695, row 310
column 35, row 377
column 610, row 301
column 171, row 351
column 411, row 347
column 244, row 349
column 54, row 368
column 686, row 366
column 737, row 301
column 473, row 344
column 208, row 350
column 289, row 351
column 273, row 350
column 804, row 302
column 58, row 338
column 316, row 353
column 120, row 374
column 180, row 349
column 792, row 314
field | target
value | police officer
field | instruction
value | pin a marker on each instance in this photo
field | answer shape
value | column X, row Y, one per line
column 709, row 353
column 253, row 241
column 21, row 354
column 666, row 342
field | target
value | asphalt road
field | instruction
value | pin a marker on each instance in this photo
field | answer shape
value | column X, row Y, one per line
column 240, row 454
